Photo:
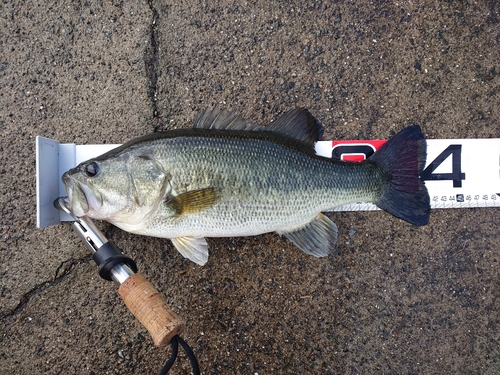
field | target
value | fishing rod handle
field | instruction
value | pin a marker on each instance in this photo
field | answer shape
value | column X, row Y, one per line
column 150, row 308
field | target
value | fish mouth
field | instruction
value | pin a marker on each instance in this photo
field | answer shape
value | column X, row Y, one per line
column 81, row 199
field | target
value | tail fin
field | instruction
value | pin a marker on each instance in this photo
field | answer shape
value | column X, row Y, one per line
column 403, row 159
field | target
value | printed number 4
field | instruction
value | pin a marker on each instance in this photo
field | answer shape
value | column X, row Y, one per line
column 456, row 174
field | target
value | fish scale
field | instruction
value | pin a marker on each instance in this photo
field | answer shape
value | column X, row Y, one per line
column 218, row 180
column 264, row 186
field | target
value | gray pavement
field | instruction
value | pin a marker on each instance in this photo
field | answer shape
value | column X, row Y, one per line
column 396, row 299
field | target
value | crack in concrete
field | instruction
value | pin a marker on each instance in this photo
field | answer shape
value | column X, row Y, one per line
column 151, row 63
column 67, row 266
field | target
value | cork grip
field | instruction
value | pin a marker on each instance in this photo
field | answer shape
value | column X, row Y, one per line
column 149, row 307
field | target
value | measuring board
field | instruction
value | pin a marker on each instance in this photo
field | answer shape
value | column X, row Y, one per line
column 459, row 173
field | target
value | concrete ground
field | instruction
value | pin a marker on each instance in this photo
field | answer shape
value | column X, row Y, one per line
column 397, row 300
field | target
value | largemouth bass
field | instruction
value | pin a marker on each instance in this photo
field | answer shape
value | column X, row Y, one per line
column 228, row 178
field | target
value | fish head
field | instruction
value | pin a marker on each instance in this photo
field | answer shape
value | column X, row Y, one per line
column 97, row 189
column 124, row 189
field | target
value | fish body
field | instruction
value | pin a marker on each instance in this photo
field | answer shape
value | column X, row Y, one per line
column 227, row 178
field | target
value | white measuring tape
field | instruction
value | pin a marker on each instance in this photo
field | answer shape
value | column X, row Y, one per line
column 460, row 173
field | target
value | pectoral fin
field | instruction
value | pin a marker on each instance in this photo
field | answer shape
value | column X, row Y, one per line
column 192, row 201
column 316, row 238
column 192, row 248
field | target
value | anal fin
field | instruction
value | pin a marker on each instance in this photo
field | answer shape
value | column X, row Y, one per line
column 316, row 238
column 192, row 248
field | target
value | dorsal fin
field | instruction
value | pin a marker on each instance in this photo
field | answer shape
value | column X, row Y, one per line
column 298, row 123
column 222, row 120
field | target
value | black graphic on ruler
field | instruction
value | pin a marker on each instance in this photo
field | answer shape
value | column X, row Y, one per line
column 456, row 174
column 339, row 151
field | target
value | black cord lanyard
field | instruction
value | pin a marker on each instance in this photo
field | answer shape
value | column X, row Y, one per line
column 175, row 341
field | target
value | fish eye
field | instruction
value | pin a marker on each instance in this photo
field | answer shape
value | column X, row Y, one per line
column 91, row 169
